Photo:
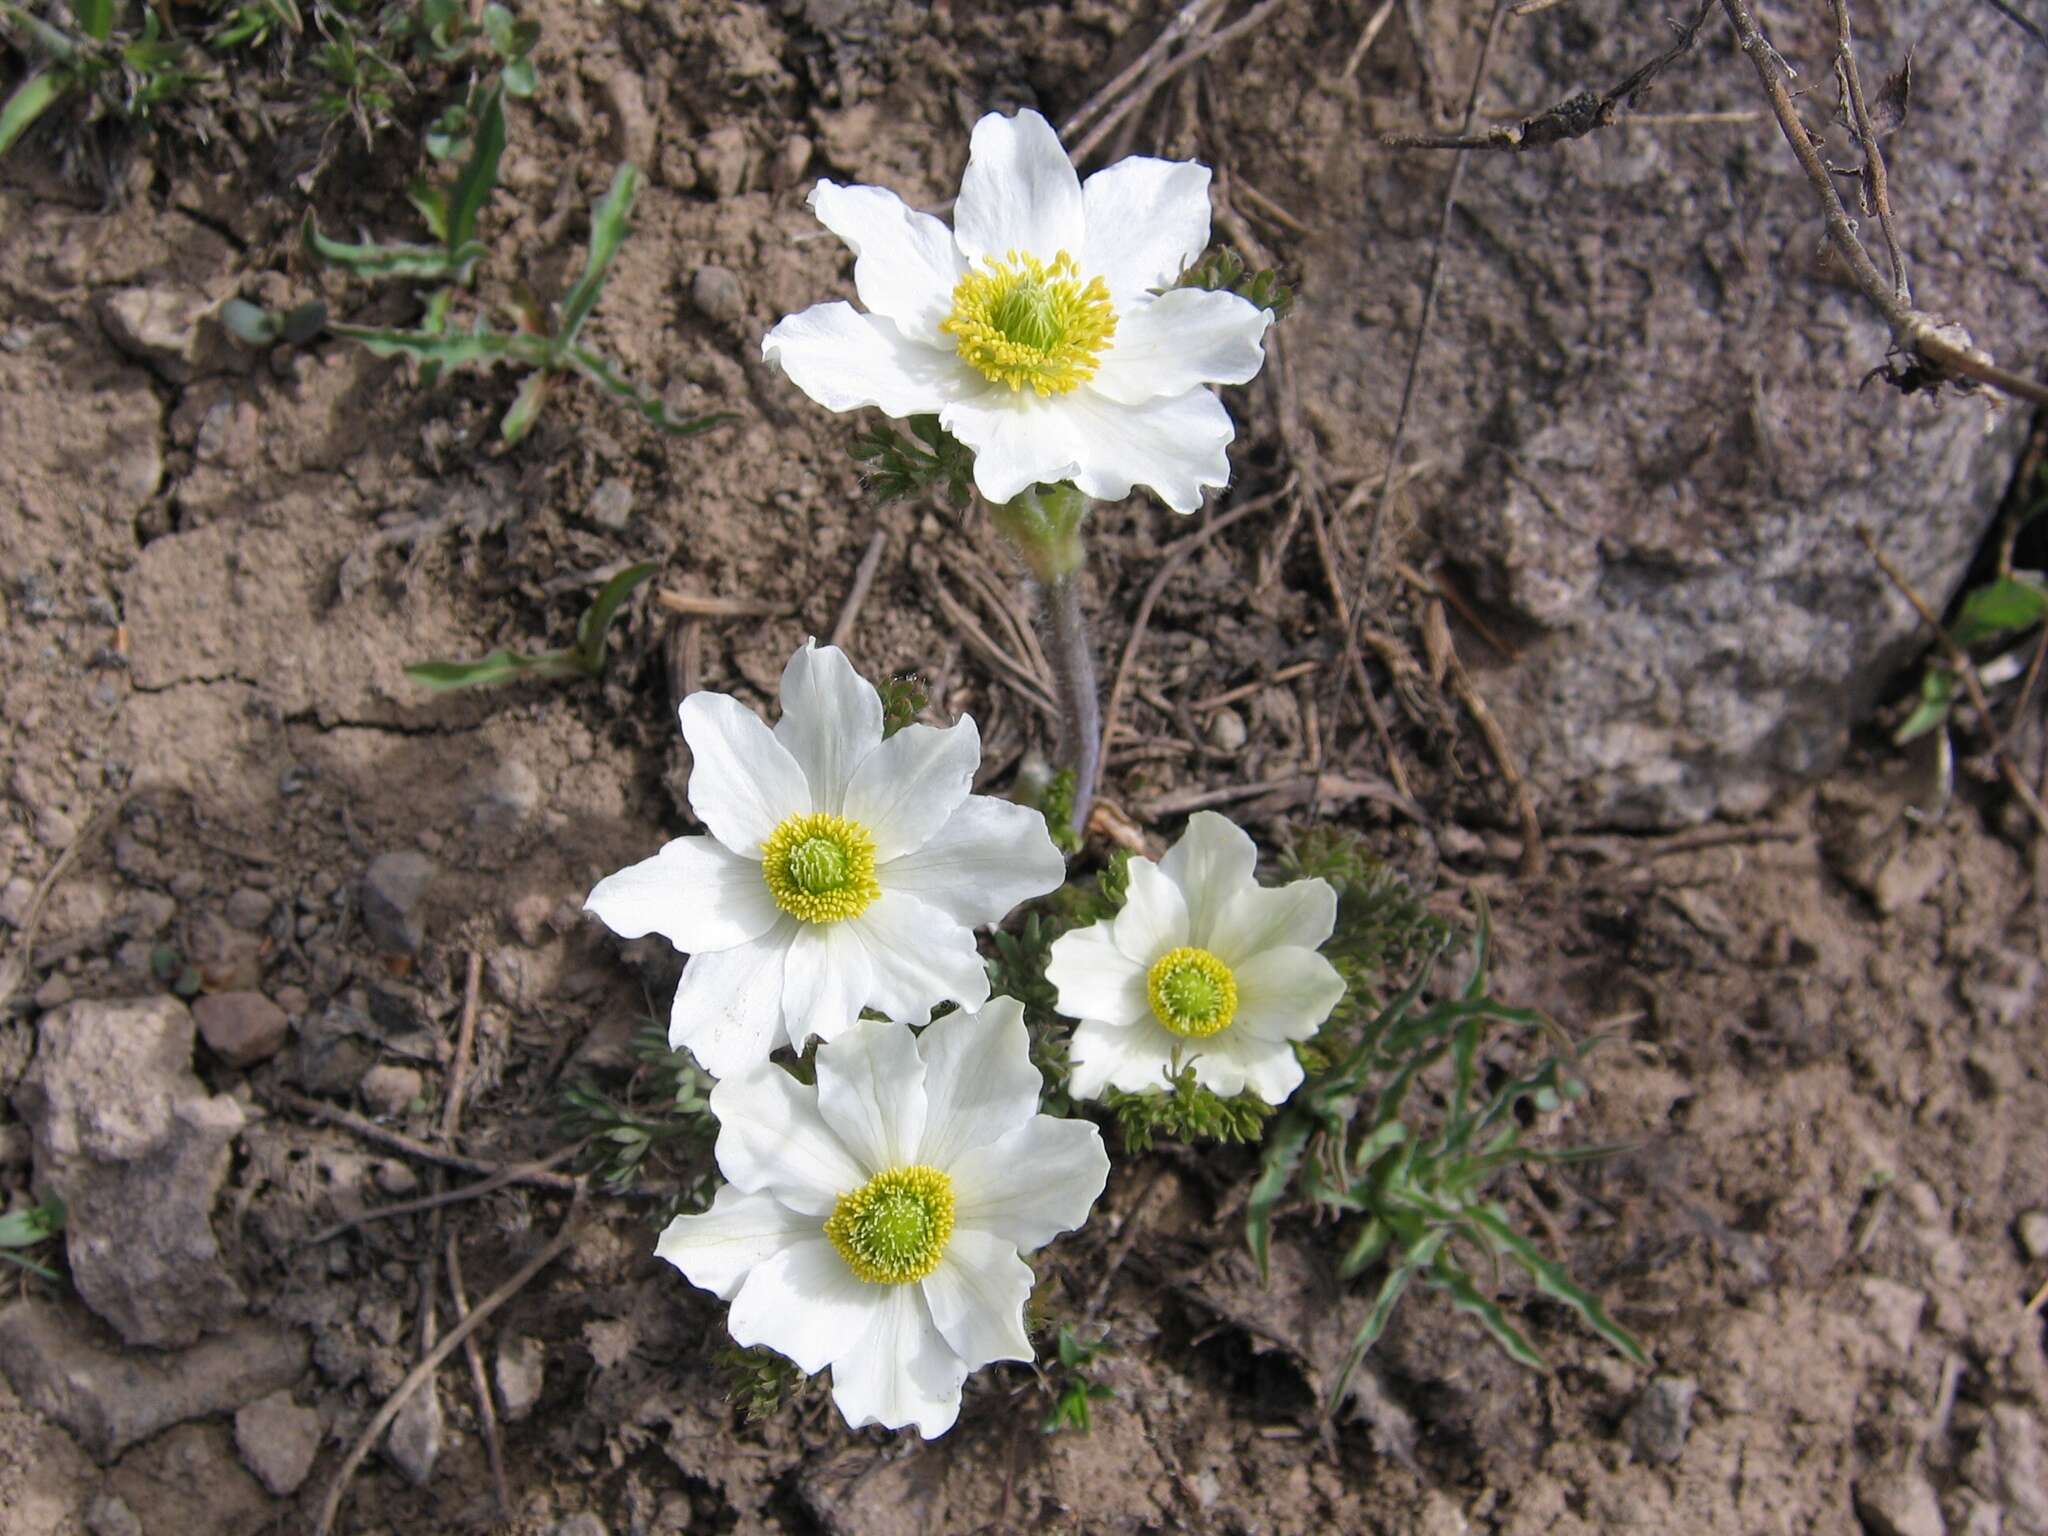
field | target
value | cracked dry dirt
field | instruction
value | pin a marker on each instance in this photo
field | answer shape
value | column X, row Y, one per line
column 1827, row 1061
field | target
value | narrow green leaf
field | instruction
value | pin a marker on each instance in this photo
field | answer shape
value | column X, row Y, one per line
column 458, row 351
column 432, row 203
column 31, row 99
column 1552, row 1280
column 1937, row 697
column 612, row 382
column 32, row 1267
column 39, row 1223
column 527, row 405
column 2000, row 608
column 95, row 18
column 609, row 223
column 598, row 618
column 376, row 263
column 1365, row 1249
column 1466, row 1297
column 498, row 667
column 1282, row 1155
column 479, row 173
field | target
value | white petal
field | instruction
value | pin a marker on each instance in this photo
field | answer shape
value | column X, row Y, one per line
column 1212, row 862
column 742, row 780
column 989, row 856
column 1147, row 222
column 977, row 1297
column 899, row 1370
column 1285, row 994
column 771, row 1139
column 716, row 1249
column 1298, row 915
column 1185, row 338
column 1095, row 979
column 1035, row 1183
column 1233, row 1061
column 1134, row 1058
column 728, row 1008
column 694, row 893
column 825, row 982
column 907, row 265
column 1020, row 192
column 1173, row 446
column 844, row 359
column 1019, row 440
column 831, row 719
column 1154, row 918
column 804, row 1303
column 921, row 956
column 904, row 790
column 871, row 1092
column 979, row 1083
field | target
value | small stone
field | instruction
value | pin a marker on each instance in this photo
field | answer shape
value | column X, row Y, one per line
column 171, row 330
column 392, row 888
column 414, row 1441
column 1899, row 1503
column 1227, row 730
column 724, row 160
column 507, row 800
column 529, row 917
column 717, row 295
column 585, row 1524
column 55, row 992
column 390, row 1091
column 1908, row 876
column 1895, row 1311
column 396, row 1178
column 241, row 1028
column 249, row 909
column 331, row 1057
column 2032, row 1231
column 2007, row 1465
column 522, row 1371
column 611, row 505
column 278, row 1440
column 792, row 160
column 15, row 897
column 1659, row 1421
column 109, row 1515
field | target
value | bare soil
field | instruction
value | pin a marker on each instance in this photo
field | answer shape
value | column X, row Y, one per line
column 1826, row 1067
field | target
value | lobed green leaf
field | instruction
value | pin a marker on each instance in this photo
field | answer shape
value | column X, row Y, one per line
column 609, row 224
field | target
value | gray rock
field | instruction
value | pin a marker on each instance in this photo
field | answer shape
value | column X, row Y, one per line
column 2032, row 1231
column 112, row 1399
column 249, row 908
column 611, row 505
column 241, row 1028
column 1659, row 1421
column 109, row 1515
column 413, row 1443
column 1227, row 731
column 278, row 1440
column 390, row 1091
column 1898, row 1502
column 392, row 889
column 585, row 1524
column 1894, row 1311
column 506, row 800
column 137, row 1149
column 331, row 1057
column 717, row 295
column 1702, row 626
column 2006, row 1465
column 521, row 1364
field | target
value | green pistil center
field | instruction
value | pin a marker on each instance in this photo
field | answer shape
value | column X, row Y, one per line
column 1029, row 315
column 894, row 1228
column 1193, row 994
column 820, row 868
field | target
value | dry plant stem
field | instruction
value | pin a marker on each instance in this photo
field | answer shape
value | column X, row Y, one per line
column 1371, row 35
column 1914, row 331
column 534, row 1175
column 451, row 1121
column 486, row 1410
column 696, row 605
column 1959, row 662
column 857, row 594
column 2019, row 21
column 330, row 1506
column 1866, row 133
column 14, row 969
column 1073, row 670
column 504, row 1178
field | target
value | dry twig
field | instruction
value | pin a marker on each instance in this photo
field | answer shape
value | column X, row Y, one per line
column 486, row 1410
column 863, row 579
column 504, row 1178
column 699, row 606
column 536, row 1175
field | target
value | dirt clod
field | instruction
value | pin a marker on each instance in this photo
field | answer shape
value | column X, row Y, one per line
column 278, row 1441
column 1658, row 1423
column 241, row 1028
column 1899, row 1502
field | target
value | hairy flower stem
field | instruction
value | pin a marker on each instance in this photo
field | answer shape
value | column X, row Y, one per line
column 1044, row 525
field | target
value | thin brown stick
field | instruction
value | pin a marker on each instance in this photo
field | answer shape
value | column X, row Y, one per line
column 1534, row 858
column 1354, row 659
column 1876, row 182
column 15, row 968
column 1172, row 561
column 1206, row 43
column 1185, row 21
column 699, row 606
column 530, row 1174
column 1008, row 669
column 1287, row 674
column 1371, row 35
column 504, row 1178
column 486, row 1410
column 1959, row 662
column 1303, row 787
column 863, row 579
column 330, row 1506
column 451, row 1121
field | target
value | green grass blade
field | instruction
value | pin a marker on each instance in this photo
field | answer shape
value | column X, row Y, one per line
column 527, row 405
column 603, row 611
column 608, row 227
column 1365, row 1249
column 619, row 387
column 380, row 263
column 95, row 18
column 1466, row 1297
column 31, row 99
column 1282, row 1156
column 498, row 667
column 1937, row 695
column 37, row 1224
column 1349, row 1075
column 479, row 176
column 1552, row 1280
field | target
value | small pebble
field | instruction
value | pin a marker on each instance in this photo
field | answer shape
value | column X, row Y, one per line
column 1227, row 730
column 392, row 888
column 249, row 909
column 717, row 296
column 241, row 1028
column 391, row 1090
column 2032, row 1230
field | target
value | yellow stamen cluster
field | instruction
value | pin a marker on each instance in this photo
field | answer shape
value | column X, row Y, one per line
column 894, row 1228
column 1192, row 993
column 1021, row 322
column 820, row 868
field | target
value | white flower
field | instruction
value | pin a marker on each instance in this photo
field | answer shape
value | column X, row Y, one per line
column 1202, row 961
column 1031, row 328
column 874, row 1223
column 842, row 871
